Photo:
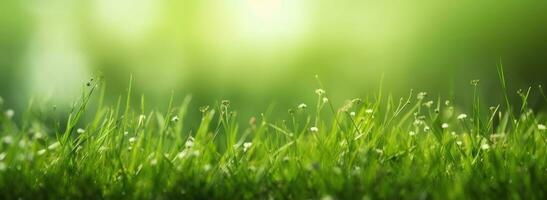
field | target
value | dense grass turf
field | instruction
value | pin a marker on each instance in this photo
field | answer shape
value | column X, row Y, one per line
column 416, row 147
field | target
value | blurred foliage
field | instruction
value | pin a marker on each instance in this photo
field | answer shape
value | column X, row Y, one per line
column 257, row 52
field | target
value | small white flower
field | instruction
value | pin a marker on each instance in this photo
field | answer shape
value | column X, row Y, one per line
column 246, row 146
column 132, row 140
column 190, row 142
column 485, row 146
column 421, row 95
column 369, row 111
column 314, row 129
column 447, row 103
column 302, row 106
column 428, row 104
column 426, row 128
column 444, row 125
column 541, row 127
column 80, row 131
column 320, row 92
column 412, row 133
column 325, row 99
column 462, row 116
column 175, row 119
column 352, row 114
column 9, row 113
column 53, row 146
column 459, row 143
column 126, row 133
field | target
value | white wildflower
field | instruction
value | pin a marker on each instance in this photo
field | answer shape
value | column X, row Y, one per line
column 314, row 129
column 444, row 126
column 428, row 104
column 541, row 127
column 459, row 143
column 190, row 142
column 80, row 131
column 412, row 133
column 352, row 114
column 132, row 140
column 485, row 146
column 462, row 116
column 421, row 95
column 320, row 92
column 302, row 106
column 426, row 128
column 246, row 146
column 175, row 119
column 325, row 99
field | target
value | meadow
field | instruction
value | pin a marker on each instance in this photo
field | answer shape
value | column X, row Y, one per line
column 420, row 146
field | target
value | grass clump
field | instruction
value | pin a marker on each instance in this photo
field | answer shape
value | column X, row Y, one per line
column 416, row 147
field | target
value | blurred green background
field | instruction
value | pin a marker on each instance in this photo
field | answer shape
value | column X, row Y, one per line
column 258, row 52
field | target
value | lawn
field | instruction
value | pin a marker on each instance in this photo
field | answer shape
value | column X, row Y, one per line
column 420, row 146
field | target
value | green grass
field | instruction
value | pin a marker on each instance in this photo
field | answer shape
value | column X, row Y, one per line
column 416, row 147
